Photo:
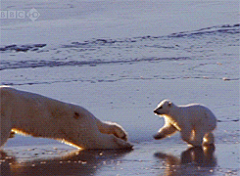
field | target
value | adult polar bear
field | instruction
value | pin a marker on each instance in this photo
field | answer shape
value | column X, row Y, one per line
column 39, row 116
column 194, row 121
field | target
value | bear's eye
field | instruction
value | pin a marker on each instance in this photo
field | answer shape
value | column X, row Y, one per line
column 160, row 107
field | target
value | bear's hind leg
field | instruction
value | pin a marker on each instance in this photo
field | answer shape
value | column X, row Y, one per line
column 192, row 137
column 197, row 138
column 208, row 139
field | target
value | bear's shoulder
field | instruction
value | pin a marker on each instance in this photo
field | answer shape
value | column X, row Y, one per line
column 6, row 90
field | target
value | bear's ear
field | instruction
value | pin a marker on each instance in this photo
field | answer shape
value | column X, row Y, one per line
column 169, row 103
column 76, row 115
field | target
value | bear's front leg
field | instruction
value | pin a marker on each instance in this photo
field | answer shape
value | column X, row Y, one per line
column 119, row 132
column 165, row 131
column 112, row 128
column 109, row 141
column 5, row 128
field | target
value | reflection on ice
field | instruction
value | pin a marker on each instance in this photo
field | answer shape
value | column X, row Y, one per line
column 73, row 163
column 192, row 160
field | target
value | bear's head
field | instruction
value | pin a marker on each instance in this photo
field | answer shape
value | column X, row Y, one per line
column 163, row 107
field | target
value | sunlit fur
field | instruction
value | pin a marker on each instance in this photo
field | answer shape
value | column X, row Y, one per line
column 194, row 121
column 39, row 116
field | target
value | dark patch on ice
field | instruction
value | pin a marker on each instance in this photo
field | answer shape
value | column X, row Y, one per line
column 124, row 42
column 98, row 51
column 224, row 29
column 97, row 42
column 234, row 120
column 46, row 63
column 22, row 48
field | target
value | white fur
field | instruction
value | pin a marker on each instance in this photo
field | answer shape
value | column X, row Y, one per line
column 194, row 121
column 39, row 116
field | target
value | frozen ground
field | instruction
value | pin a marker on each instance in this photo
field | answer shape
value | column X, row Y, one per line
column 119, row 59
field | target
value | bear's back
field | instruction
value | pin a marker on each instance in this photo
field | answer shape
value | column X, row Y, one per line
column 198, row 113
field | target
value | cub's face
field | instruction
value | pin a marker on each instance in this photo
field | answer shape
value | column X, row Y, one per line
column 163, row 107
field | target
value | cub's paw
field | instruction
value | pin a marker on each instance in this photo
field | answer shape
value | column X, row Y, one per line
column 158, row 136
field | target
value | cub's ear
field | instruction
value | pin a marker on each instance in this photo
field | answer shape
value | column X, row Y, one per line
column 169, row 103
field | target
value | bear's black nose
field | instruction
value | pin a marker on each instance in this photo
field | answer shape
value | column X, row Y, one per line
column 155, row 111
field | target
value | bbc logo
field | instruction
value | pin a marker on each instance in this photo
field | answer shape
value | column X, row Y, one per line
column 13, row 14
column 32, row 14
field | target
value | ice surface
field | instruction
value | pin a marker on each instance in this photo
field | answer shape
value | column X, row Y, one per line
column 118, row 59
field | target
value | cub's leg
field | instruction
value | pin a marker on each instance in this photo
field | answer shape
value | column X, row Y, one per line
column 192, row 137
column 165, row 131
column 208, row 139
column 112, row 128
column 198, row 138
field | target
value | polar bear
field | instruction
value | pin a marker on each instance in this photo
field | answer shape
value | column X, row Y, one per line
column 194, row 121
column 39, row 116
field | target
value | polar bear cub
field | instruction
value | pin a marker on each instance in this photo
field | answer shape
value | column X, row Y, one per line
column 194, row 121
column 39, row 116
